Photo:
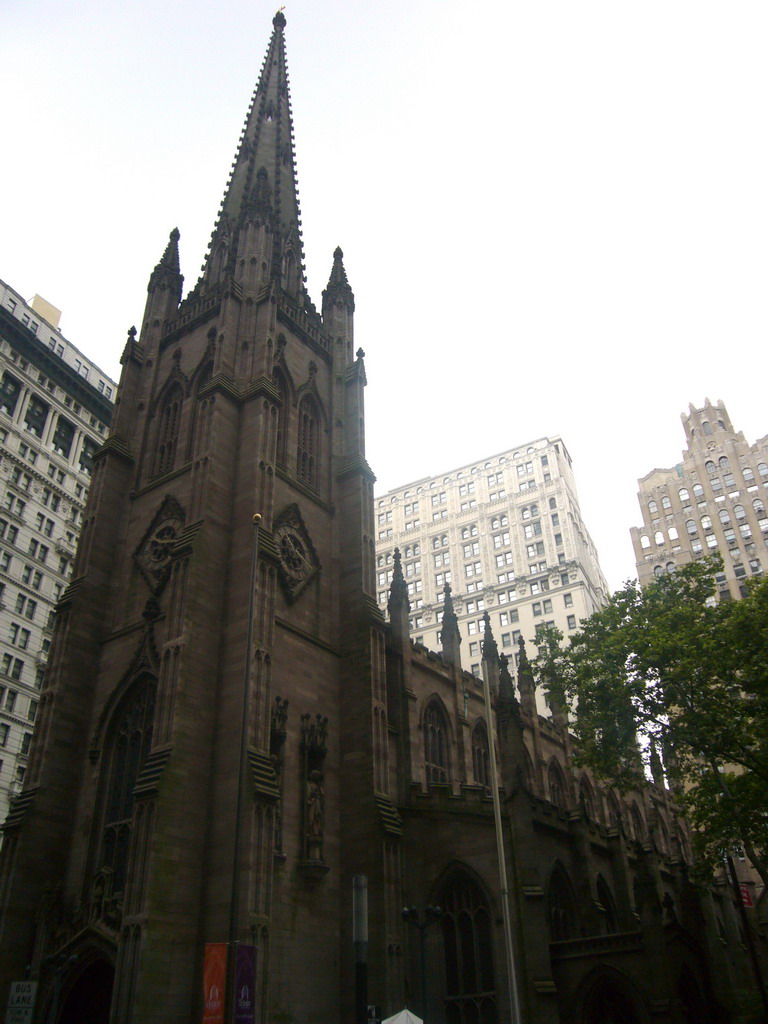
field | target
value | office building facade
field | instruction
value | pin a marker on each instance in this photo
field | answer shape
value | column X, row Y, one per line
column 713, row 501
column 55, row 408
column 506, row 533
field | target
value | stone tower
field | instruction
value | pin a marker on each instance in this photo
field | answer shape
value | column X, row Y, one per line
column 217, row 682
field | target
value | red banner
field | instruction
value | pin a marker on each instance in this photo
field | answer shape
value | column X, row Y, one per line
column 746, row 895
column 214, row 982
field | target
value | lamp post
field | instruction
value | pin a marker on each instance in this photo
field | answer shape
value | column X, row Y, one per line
column 431, row 915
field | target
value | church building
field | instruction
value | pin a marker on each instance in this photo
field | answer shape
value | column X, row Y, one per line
column 232, row 734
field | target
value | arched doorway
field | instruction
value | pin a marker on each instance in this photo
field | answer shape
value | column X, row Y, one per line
column 89, row 998
column 608, row 1003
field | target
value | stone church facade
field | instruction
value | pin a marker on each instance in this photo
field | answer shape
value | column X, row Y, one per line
column 231, row 730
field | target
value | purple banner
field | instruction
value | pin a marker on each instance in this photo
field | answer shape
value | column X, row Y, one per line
column 245, row 985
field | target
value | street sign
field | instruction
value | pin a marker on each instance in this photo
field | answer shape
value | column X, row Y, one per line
column 21, row 1002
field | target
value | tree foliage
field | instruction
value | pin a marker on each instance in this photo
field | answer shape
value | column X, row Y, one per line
column 669, row 667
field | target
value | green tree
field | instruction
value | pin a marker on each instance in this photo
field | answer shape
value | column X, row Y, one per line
column 670, row 668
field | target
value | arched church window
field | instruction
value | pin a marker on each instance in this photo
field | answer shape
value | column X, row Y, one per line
column 470, row 991
column 638, row 825
column 436, row 756
column 724, row 463
column 168, row 431
column 614, row 810
column 127, row 744
column 725, row 516
column 556, row 783
column 653, row 508
column 707, row 428
column 282, row 417
column 480, row 756
column 200, row 434
column 607, row 902
column 587, row 799
column 562, row 916
column 710, row 468
column 307, row 452
column 683, row 495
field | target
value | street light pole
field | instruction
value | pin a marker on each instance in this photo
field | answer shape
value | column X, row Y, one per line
column 431, row 915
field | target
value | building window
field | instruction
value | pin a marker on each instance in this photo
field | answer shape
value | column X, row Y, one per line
column 480, row 755
column 36, row 415
column 63, row 437
column 168, row 431
column 468, row 950
column 85, row 460
column 436, row 758
column 9, row 394
column 126, row 748
column 571, row 622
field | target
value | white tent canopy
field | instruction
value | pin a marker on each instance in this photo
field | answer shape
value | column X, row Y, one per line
column 404, row 1017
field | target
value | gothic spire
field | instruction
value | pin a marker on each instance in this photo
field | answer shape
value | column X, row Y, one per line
column 262, row 182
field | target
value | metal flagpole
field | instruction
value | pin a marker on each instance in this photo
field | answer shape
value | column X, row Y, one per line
column 234, row 902
column 514, row 1000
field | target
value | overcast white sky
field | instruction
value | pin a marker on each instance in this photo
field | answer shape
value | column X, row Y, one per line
column 554, row 214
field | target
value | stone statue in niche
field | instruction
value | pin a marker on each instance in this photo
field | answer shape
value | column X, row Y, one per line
column 315, row 815
column 313, row 749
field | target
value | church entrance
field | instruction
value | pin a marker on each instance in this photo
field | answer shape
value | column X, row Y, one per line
column 607, row 1003
column 90, row 997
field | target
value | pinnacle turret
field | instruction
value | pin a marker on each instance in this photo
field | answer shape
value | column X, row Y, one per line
column 490, row 648
column 525, row 681
column 338, row 288
column 450, row 637
column 398, row 591
column 167, row 275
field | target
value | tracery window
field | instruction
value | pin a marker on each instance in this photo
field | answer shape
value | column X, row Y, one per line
column 127, row 745
column 470, row 991
column 607, row 902
column 561, row 906
column 480, row 756
column 307, row 452
column 587, row 798
column 282, row 417
column 168, row 431
column 436, row 756
column 556, row 785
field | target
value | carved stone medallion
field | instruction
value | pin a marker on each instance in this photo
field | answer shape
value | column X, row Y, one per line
column 297, row 558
